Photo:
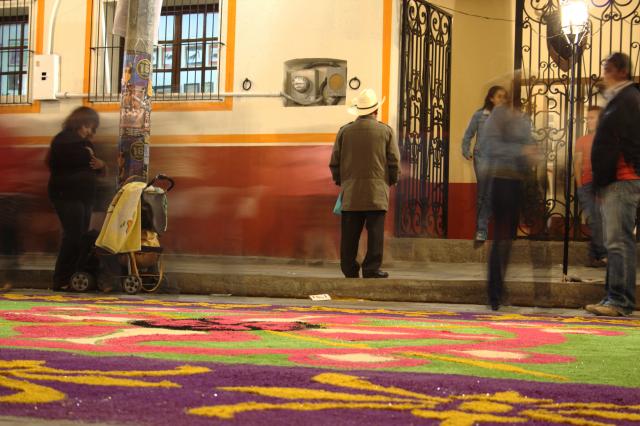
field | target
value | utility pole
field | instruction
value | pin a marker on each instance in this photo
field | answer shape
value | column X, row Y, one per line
column 135, row 100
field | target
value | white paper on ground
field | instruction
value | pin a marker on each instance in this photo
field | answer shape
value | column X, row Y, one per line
column 320, row 297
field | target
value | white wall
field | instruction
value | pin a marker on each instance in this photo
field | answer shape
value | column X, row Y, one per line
column 270, row 32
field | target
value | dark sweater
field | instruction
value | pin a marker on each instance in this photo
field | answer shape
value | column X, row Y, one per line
column 618, row 134
column 71, row 175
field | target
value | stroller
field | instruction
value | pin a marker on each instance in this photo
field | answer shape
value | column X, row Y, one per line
column 110, row 263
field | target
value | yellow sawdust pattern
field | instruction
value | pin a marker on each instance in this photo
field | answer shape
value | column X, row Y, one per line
column 489, row 365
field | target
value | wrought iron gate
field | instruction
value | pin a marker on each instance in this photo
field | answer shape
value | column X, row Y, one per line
column 425, row 71
column 542, row 87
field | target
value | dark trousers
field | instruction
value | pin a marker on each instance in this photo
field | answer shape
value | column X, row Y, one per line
column 352, row 224
column 74, row 217
column 10, row 211
column 506, row 200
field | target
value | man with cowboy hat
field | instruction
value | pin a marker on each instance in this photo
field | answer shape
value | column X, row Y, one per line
column 364, row 163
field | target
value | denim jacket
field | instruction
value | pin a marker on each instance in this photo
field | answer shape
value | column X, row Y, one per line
column 476, row 128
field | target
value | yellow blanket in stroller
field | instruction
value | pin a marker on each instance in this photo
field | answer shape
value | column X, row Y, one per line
column 121, row 231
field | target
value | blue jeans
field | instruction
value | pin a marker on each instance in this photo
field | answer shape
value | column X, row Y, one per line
column 591, row 210
column 619, row 204
column 482, row 167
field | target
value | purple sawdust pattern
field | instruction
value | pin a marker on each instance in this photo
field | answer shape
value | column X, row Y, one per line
column 153, row 392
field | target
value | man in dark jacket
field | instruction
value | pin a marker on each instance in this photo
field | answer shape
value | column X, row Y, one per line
column 364, row 163
column 615, row 159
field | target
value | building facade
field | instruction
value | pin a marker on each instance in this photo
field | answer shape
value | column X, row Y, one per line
column 251, row 166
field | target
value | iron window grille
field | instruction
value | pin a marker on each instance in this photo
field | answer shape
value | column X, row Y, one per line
column 185, row 61
column 16, row 53
column 542, row 86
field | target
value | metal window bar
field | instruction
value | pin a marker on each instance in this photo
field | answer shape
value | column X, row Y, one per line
column 16, row 52
column 543, row 93
column 186, row 63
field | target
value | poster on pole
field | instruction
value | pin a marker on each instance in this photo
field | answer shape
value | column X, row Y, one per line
column 135, row 117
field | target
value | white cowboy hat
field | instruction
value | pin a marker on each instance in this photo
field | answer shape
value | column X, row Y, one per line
column 365, row 103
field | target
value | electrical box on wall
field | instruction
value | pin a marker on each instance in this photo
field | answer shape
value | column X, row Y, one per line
column 46, row 77
column 315, row 82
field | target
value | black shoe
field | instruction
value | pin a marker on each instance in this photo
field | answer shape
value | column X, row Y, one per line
column 375, row 274
column 61, row 286
column 495, row 306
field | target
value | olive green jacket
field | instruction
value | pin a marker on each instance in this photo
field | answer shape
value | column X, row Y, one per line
column 365, row 162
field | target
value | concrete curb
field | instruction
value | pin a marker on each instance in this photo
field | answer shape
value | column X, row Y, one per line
column 520, row 293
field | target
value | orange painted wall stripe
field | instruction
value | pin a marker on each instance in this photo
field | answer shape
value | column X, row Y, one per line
column 35, row 105
column 87, row 50
column 301, row 138
column 40, row 27
column 245, row 138
column 231, row 43
column 387, row 22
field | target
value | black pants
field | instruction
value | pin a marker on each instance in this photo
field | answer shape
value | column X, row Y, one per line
column 11, row 207
column 506, row 201
column 74, row 216
column 352, row 224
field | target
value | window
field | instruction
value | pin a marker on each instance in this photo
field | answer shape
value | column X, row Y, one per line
column 15, row 54
column 185, row 61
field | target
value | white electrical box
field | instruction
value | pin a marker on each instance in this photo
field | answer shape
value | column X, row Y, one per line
column 46, row 77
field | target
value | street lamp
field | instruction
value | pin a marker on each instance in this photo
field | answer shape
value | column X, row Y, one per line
column 574, row 16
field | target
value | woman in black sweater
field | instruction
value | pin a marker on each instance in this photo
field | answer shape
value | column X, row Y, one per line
column 72, row 185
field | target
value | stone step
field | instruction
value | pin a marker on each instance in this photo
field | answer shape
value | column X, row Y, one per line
column 461, row 251
column 410, row 282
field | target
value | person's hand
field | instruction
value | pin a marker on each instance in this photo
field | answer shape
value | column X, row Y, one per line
column 96, row 163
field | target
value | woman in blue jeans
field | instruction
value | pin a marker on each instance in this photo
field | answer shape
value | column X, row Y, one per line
column 72, row 186
column 496, row 96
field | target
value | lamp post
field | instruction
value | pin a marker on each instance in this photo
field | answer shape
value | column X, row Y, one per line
column 575, row 25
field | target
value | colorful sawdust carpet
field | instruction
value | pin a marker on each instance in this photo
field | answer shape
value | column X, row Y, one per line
column 157, row 362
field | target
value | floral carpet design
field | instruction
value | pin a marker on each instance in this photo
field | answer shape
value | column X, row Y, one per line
column 155, row 362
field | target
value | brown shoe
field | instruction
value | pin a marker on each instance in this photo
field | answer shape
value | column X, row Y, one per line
column 608, row 311
column 592, row 308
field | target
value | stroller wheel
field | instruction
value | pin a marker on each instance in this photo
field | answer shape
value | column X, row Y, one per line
column 81, row 281
column 131, row 284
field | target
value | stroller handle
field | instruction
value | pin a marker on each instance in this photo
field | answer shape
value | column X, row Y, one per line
column 159, row 177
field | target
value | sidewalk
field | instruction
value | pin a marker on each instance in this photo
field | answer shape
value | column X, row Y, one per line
column 410, row 281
